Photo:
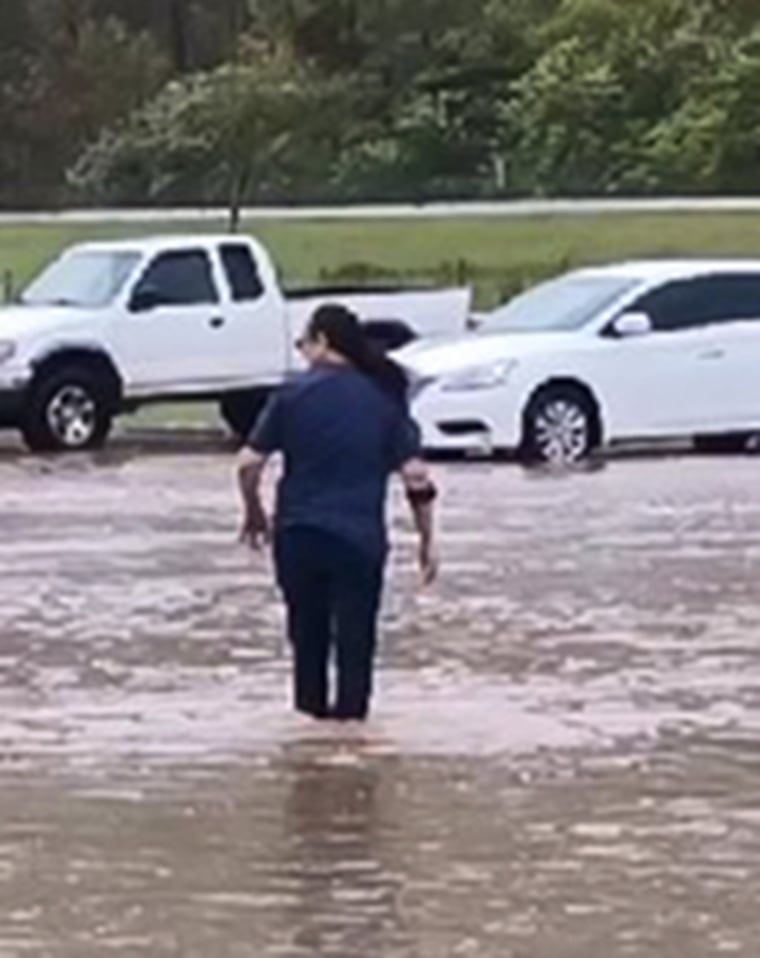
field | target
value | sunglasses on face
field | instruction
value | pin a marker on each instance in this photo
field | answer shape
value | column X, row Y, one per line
column 303, row 341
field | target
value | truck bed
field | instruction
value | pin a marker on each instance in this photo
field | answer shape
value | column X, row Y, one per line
column 419, row 312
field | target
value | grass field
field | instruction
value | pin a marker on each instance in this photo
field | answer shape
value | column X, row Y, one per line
column 497, row 256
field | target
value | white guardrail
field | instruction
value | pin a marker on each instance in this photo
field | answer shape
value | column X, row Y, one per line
column 516, row 208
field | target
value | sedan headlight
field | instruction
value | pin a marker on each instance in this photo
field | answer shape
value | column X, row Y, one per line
column 479, row 377
column 7, row 350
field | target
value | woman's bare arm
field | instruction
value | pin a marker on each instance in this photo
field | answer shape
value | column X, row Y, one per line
column 421, row 494
column 255, row 528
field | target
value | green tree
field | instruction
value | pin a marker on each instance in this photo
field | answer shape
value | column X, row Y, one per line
column 435, row 98
column 247, row 130
column 66, row 76
column 432, row 73
column 711, row 143
column 194, row 34
column 580, row 119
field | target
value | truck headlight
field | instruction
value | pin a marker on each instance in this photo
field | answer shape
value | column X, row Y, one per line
column 7, row 350
column 479, row 377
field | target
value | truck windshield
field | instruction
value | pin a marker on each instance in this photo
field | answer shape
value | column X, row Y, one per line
column 89, row 279
column 561, row 305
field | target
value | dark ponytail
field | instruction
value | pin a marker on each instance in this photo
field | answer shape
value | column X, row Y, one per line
column 345, row 335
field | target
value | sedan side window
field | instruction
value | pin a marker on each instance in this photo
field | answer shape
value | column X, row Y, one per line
column 704, row 301
column 178, row 279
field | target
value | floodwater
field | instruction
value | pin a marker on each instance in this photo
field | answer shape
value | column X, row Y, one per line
column 564, row 760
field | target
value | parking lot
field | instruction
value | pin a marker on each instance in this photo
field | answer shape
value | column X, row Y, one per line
column 564, row 762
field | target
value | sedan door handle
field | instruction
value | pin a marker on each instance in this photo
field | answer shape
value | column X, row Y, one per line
column 217, row 322
column 712, row 354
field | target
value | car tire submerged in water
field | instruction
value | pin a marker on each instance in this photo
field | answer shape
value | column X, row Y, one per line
column 69, row 409
column 724, row 444
column 561, row 426
column 241, row 410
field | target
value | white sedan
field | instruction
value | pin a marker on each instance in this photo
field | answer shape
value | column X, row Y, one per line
column 633, row 351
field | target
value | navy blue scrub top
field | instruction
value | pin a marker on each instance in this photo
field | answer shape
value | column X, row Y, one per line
column 342, row 437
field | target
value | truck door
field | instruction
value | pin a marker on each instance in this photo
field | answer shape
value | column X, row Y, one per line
column 257, row 320
column 174, row 336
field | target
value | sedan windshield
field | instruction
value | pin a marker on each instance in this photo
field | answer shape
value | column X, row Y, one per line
column 90, row 279
column 561, row 305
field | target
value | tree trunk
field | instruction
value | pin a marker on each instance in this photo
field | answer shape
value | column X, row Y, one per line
column 238, row 17
column 237, row 197
column 179, row 34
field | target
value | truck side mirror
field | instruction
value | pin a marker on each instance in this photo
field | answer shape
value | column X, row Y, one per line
column 144, row 299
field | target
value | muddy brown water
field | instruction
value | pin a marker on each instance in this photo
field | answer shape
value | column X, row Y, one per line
column 564, row 760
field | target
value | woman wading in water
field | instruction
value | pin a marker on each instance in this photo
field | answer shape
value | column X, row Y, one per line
column 343, row 428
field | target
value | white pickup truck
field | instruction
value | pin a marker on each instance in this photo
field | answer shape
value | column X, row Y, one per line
column 109, row 327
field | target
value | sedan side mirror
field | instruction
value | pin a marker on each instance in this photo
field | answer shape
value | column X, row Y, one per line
column 144, row 299
column 632, row 324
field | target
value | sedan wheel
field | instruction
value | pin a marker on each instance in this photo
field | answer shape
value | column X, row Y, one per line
column 560, row 428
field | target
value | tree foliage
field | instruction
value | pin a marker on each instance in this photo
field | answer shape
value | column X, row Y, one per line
column 186, row 101
column 247, row 129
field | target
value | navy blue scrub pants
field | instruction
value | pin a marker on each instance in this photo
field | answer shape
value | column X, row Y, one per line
column 332, row 591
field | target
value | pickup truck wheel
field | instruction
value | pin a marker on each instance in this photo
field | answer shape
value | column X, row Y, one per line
column 241, row 410
column 68, row 410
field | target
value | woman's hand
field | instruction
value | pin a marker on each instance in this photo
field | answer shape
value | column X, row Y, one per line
column 256, row 535
column 256, row 532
